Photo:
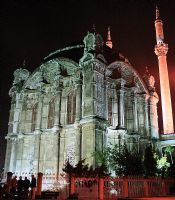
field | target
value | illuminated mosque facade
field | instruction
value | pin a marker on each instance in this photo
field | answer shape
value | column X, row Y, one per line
column 83, row 98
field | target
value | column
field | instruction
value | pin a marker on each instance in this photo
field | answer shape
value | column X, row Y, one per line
column 78, row 100
column 121, row 107
column 153, row 120
column 12, row 155
column 135, row 116
column 146, row 115
column 17, row 113
column 8, row 181
column 78, row 147
column 39, row 112
column 72, row 184
column 57, row 109
column 39, row 183
column 101, row 188
column 57, row 120
column 114, row 108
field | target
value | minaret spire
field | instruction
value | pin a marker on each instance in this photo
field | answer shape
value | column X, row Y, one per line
column 161, row 50
column 159, row 28
column 157, row 12
column 109, row 41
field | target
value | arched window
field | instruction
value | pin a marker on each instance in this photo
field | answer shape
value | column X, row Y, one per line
column 71, row 107
column 34, row 113
column 110, row 110
column 51, row 114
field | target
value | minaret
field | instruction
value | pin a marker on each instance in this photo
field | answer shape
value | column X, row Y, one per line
column 161, row 50
column 109, row 41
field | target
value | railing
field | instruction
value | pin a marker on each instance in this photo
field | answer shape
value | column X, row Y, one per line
column 104, row 188
column 110, row 188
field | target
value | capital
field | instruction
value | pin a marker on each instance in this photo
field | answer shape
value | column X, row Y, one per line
column 161, row 49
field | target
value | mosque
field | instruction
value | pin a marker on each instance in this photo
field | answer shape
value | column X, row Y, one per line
column 83, row 98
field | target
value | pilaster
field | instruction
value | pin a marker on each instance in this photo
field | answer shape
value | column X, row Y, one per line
column 17, row 111
column 78, row 100
column 121, row 104
column 39, row 112
column 153, row 119
column 134, row 108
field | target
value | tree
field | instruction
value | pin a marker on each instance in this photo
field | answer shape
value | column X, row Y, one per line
column 169, row 150
column 163, row 165
column 125, row 162
column 102, row 158
column 83, row 170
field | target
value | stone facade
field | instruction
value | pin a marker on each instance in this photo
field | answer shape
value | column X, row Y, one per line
column 81, row 99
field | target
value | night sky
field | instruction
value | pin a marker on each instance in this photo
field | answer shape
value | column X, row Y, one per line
column 30, row 30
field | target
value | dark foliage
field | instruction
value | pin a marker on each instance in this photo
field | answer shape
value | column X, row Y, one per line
column 83, row 170
column 126, row 163
column 150, row 163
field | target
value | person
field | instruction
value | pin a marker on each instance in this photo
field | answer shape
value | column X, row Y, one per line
column 26, row 186
column 1, row 191
column 20, row 186
column 33, row 187
column 14, row 182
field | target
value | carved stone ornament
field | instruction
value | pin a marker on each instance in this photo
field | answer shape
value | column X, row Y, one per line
column 86, row 60
column 89, row 42
column 20, row 75
column 149, row 80
column 35, row 81
column 12, row 91
column 99, row 43
column 31, row 100
column 51, row 71
column 161, row 49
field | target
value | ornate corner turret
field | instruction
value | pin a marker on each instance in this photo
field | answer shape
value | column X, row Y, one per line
column 149, row 80
column 20, row 76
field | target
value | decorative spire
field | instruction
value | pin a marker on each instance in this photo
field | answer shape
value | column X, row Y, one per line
column 109, row 34
column 157, row 12
column 94, row 29
column 24, row 64
column 147, row 71
column 109, row 41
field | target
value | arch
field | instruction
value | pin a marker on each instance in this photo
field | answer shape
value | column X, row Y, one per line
column 119, row 69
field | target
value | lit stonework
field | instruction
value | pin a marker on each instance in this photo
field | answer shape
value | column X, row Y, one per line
column 161, row 50
column 72, row 106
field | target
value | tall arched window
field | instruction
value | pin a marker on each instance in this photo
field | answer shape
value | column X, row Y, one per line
column 34, row 114
column 51, row 113
column 71, row 107
column 110, row 110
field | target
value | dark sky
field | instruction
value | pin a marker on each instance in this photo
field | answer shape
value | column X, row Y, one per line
column 32, row 29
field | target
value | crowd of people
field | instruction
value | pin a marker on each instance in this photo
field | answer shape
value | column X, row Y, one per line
column 20, row 188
